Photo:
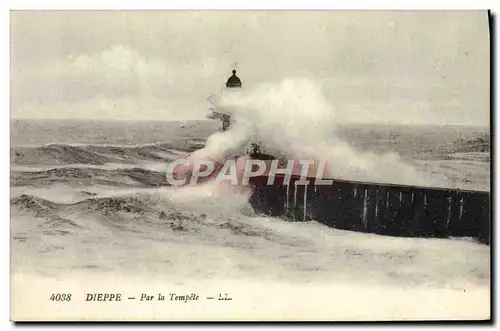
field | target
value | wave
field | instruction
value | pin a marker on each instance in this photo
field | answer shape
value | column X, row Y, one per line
column 44, row 207
column 478, row 144
column 35, row 205
column 295, row 118
column 149, row 211
column 64, row 154
column 155, row 228
column 123, row 177
column 479, row 157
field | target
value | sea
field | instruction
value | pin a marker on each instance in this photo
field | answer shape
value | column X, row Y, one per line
column 89, row 197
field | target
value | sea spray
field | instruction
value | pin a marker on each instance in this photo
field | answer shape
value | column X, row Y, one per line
column 294, row 118
column 211, row 198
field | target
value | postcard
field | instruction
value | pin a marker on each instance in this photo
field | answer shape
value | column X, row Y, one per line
column 250, row 165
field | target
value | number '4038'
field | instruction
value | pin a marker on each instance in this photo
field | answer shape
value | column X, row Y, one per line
column 60, row 297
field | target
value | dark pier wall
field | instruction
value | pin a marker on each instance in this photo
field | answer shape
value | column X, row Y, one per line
column 405, row 211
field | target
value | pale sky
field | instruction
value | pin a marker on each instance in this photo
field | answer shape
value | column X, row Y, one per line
column 383, row 66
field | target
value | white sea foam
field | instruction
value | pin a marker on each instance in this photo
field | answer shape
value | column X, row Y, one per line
column 294, row 118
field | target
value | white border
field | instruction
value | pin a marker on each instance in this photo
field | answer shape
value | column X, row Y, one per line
column 256, row 4
column 186, row 4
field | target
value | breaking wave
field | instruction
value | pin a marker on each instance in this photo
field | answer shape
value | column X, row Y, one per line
column 132, row 177
column 150, row 210
column 62, row 154
column 295, row 118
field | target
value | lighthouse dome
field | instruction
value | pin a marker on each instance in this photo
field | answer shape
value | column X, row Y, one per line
column 233, row 81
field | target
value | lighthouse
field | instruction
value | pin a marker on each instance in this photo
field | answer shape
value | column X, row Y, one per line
column 232, row 82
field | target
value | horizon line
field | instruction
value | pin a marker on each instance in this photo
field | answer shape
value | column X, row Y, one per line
column 488, row 125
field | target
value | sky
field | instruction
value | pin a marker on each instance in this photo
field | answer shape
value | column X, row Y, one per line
column 403, row 67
